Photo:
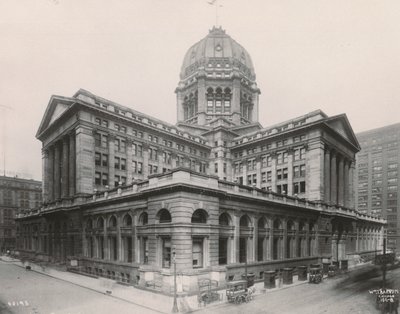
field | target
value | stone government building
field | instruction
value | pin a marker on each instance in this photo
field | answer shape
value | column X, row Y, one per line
column 121, row 188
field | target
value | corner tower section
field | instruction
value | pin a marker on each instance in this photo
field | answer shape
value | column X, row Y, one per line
column 217, row 80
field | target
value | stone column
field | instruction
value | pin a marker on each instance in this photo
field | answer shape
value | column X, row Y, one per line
column 270, row 243
column 341, row 181
column 235, row 105
column 255, row 239
column 64, row 169
column 236, row 238
column 346, row 184
column 327, row 176
column 333, row 179
column 283, row 247
column 72, row 166
column 351, row 184
column 51, row 173
column 45, row 175
column 201, row 100
column 57, row 177
column 120, row 253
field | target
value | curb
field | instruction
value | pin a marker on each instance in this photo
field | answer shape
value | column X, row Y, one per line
column 86, row 287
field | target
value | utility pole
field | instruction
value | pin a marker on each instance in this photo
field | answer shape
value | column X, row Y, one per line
column 384, row 265
column 175, row 306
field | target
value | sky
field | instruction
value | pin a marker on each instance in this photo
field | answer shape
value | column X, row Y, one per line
column 339, row 56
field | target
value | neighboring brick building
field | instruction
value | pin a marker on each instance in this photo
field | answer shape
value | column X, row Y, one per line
column 16, row 195
column 122, row 188
column 378, row 177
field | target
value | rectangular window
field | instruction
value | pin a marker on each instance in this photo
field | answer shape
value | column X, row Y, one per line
column 145, row 251
column 105, row 160
column 134, row 166
column 223, row 251
column 116, row 162
column 97, row 159
column 197, row 253
column 97, row 139
column 97, row 178
column 104, row 141
column 166, row 252
column 263, row 177
column 104, row 179
column 140, row 168
column 123, row 164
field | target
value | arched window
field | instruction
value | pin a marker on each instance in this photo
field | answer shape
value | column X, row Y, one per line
column 164, row 216
column 277, row 224
column 143, row 219
column 244, row 221
column 112, row 222
column 227, row 100
column 210, row 100
column 127, row 221
column 224, row 219
column 199, row 216
column 290, row 225
column 100, row 222
column 261, row 223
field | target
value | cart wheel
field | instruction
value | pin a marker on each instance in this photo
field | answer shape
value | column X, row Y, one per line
column 238, row 299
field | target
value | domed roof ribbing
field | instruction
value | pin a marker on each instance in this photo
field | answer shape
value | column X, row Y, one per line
column 217, row 50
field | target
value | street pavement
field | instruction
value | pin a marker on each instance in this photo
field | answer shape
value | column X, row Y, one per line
column 345, row 294
column 28, row 292
column 47, row 291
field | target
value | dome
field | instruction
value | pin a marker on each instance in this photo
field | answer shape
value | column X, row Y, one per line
column 217, row 51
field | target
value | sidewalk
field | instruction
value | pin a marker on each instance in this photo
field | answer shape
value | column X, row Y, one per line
column 152, row 300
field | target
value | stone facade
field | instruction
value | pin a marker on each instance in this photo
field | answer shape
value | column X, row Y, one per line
column 124, row 190
column 16, row 195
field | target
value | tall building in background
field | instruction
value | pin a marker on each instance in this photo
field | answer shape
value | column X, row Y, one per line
column 123, row 190
column 16, row 195
column 377, row 177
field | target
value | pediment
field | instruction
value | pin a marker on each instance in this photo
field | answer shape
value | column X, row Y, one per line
column 55, row 109
column 341, row 125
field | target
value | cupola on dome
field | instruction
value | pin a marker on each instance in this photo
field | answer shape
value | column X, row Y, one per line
column 217, row 51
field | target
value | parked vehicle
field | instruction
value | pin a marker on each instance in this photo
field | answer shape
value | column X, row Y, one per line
column 331, row 270
column 237, row 292
column 315, row 275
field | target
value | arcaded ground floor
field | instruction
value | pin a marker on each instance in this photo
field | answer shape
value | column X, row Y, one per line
column 215, row 232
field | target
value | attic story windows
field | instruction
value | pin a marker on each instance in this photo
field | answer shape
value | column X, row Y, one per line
column 218, row 101
column 190, row 105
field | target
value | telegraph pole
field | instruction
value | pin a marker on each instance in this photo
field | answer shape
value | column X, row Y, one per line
column 384, row 265
column 175, row 306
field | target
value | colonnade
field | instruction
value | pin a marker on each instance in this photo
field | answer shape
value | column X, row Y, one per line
column 338, row 178
column 59, row 166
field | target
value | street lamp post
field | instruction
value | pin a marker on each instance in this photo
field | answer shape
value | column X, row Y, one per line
column 175, row 306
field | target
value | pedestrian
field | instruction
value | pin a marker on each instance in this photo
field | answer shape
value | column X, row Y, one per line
column 280, row 279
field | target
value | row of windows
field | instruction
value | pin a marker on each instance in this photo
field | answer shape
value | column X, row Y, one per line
column 298, row 153
column 295, row 139
column 101, row 140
